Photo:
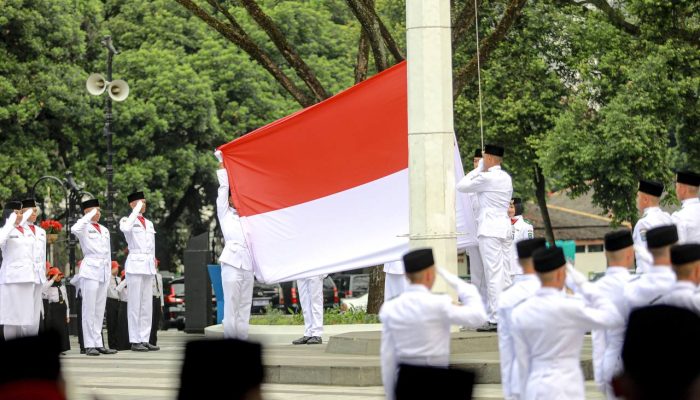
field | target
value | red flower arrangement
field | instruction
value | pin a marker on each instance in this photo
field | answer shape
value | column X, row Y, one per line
column 51, row 226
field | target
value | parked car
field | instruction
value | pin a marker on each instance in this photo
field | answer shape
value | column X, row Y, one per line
column 351, row 285
column 266, row 295
column 291, row 301
column 174, row 300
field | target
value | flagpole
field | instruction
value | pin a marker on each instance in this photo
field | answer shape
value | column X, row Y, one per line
column 431, row 131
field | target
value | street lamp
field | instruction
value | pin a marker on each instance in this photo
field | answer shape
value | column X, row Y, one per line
column 118, row 91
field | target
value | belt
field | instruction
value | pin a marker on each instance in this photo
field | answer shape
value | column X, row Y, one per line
column 555, row 363
column 140, row 254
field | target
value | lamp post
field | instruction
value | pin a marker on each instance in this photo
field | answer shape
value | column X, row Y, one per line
column 118, row 91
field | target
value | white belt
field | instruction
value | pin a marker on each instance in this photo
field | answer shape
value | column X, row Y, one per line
column 555, row 363
column 141, row 253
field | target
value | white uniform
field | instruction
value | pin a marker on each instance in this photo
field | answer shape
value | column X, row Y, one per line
column 95, row 274
column 652, row 218
column 494, row 189
column 140, row 267
column 523, row 287
column 311, row 298
column 236, row 266
column 123, row 291
column 50, row 293
column 112, row 288
column 683, row 294
column 476, row 266
column 687, row 220
column 647, row 288
column 548, row 329
column 416, row 329
column 395, row 281
column 607, row 343
column 158, row 288
column 520, row 230
column 20, row 287
column 39, row 266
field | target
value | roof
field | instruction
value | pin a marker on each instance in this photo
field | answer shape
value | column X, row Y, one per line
column 572, row 219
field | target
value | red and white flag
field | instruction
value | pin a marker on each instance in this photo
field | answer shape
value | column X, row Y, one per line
column 326, row 189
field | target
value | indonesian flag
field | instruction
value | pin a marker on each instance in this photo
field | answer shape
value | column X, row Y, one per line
column 326, row 189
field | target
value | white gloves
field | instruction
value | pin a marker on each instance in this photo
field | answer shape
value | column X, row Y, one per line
column 480, row 165
column 91, row 214
column 26, row 215
column 137, row 208
column 578, row 278
column 11, row 219
column 464, row 290
column 219, row 156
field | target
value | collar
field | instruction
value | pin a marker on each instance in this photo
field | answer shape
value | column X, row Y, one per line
column 661, row 269
column 692, row 200
column 549, row 291
column 684, row 285
column 495, row 168
column 614, row 270
column 526, row 278
column 415, row 287
column 651, row 209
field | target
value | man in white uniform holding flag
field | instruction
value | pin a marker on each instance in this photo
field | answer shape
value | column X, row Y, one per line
column 140, row 267
column 494, row 189
column 236, row 262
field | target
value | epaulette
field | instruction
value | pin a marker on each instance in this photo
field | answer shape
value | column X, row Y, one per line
column 528, row 221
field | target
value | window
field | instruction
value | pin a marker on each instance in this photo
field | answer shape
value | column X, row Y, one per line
column 581, row 248
column 595, row 248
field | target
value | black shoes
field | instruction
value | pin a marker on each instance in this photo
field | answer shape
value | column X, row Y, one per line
column 102, row 350
column 150, row 347
column 314, row 340
column 92, row 352
column 302, row 340
column 488, row 327
column 138, row 347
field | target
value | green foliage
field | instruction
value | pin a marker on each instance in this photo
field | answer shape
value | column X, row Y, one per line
column 333, row 316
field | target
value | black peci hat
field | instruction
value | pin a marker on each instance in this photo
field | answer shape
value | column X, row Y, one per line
column 477, row 153
column 528, row 246
column 494, row 150
column 651, row 188
column 135, row 196
column 90, row 204
column 28, row 203
column 688, row 178
column 618, row 240
column 685, row 253
column 13, row 205
column 418, row 260
column 661, row 236
column 548, row 259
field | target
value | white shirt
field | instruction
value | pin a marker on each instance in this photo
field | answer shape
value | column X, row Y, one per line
column 683, row 294
column 548, row 329
column 646, row 288
column 39, row 235
column 416, row 329
column 494, row 190
column 235, row 252
column 652, row 217
column 523, row 287
column 96, row 247
column 158, row 288
column 142, row 244
column 112, row 288
column 687, row 220
column 123, row 291
column 520, row 230
column 50, row 293
column 607, row 343
column 17, row 255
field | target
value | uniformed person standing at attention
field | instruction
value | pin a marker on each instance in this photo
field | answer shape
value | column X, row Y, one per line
column 58, row 310
column 140, row 267
column 686, row 264
column 525, row 285
column 494, row 189
column 476, row 266
column 19, row 285
column 416, row 324
column 311, row 299
column 643, row 290
column 687, row 219
column 521, row 230
column 607, row 343
column 39, row 235
column 549, row 328
column 112, row 309
column 648, row 198
column 95, row 274
column 236, row 262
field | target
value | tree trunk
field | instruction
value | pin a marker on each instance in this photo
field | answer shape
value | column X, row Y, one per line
column 541, row 194
column 376, row 289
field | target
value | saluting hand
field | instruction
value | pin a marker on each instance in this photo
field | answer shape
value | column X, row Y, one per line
column 219, row 156
column 11, row 219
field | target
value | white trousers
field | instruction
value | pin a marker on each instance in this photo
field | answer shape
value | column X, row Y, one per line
column 94, row 303
column 311, row 298
column 495, row 254
column 22, row 309
column 394, row 285
column 139, row 306
column 238, row 298
column 476, row 272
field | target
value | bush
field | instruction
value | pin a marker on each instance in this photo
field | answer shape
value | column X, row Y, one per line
column 333, row 316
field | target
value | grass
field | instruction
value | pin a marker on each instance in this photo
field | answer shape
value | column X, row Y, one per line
column 333, row 316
